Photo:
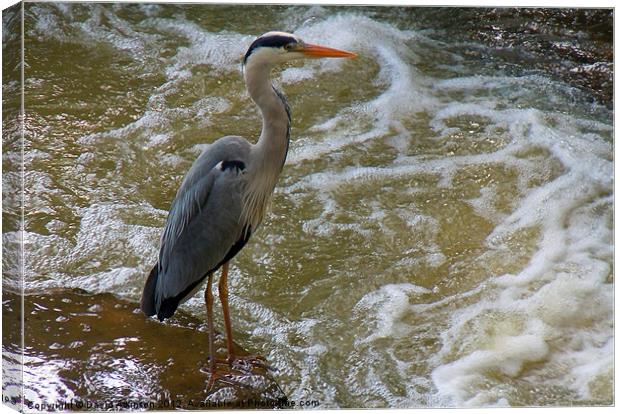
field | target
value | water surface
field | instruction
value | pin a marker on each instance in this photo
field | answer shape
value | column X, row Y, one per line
column 442, row 231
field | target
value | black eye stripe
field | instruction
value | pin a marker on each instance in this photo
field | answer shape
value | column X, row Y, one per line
column 268, row 41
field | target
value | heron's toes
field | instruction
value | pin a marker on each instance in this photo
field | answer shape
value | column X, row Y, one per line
column 249, row 362
column 225, row 379
column 224, row 376
column 218, row 361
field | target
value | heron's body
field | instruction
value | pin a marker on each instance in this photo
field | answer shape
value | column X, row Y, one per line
column 224, row 196
column 219, row 204
column 196, row 220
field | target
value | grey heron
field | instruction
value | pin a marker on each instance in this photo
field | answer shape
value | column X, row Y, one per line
column 224, row 195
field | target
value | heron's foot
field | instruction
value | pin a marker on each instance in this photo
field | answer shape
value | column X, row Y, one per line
column 218, row 361
column 248, row 362
column 223, row 375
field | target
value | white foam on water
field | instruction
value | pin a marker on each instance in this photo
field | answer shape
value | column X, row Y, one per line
column 555, row 311
column 11, row 261
column 12, row 375
column 403, row 86
column 102, row 25
column 381, row 325
column 152, row 123
column 390, row 303
column 222, row 51
column 484, row 205
column 588, row 365
column 563, row 292
column 43, row 381
column 107, row 255
column 298, row 362
column 154, row 126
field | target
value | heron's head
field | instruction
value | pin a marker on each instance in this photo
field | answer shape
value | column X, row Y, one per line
column 273, row 48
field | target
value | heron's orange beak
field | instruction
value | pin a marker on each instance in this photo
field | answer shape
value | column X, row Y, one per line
column 317, row 51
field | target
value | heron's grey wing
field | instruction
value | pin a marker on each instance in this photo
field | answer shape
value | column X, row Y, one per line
column 186, row 254
column 197, row 185
column 203, row 225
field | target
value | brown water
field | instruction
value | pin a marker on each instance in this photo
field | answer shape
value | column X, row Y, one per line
column 102, row 354
column 441, row 234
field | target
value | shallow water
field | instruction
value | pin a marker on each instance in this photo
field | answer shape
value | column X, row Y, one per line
column 442, row 231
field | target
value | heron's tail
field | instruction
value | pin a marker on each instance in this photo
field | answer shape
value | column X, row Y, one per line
column 147, row 304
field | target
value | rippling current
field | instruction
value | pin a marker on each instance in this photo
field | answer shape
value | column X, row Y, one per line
column 441, row 234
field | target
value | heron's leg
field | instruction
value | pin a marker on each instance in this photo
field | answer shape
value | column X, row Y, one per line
column 209, row 303
column 215, row 374
column 256, row 360
column 223, row 291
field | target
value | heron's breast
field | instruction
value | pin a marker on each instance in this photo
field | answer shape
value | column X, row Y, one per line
column 256, row 199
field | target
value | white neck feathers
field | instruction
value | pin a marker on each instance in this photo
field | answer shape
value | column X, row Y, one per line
column 269, row 153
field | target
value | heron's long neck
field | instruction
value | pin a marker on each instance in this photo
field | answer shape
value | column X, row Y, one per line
column 269, row 153
column 273, row 142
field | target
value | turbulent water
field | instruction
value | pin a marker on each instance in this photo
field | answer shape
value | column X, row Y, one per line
column 441, row 234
